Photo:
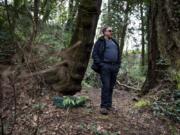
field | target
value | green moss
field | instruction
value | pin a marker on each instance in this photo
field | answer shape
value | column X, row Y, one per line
column 142, row 103
column 178, row 81
column 177, row 77
column 173, row 130
column 178, row 86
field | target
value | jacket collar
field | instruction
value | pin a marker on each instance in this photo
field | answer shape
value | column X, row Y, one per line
column 103, row 39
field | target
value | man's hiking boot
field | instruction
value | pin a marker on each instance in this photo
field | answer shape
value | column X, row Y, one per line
column 104, row 111
column 112, row 109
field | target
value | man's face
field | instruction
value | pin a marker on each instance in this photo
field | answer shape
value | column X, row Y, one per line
column 108, row 32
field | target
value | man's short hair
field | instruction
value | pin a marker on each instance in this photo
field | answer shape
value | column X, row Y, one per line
column 104, row 29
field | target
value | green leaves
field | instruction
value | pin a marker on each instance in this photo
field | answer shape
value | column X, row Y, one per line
column 46, row 7
column 19, row 3
column 169, row 108
column 69, row 101
column 142, row 103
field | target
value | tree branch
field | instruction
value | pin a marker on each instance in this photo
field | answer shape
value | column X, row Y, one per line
column 129, row 87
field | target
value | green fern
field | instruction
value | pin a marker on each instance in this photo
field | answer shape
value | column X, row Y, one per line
column 69, row 101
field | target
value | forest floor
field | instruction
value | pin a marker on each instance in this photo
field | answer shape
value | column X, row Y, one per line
column 128, row 120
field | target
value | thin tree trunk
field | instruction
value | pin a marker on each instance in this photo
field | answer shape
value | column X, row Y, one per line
column 7, row 13
column 11, row 20
column 72, row 10
column 124, row 29
column 1, row 106
column 109, row 14
column 36, row 15
column 142, row 36
column 1, row 93
column 35, row 22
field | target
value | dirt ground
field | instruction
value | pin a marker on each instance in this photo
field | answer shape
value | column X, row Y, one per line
column 41, row 117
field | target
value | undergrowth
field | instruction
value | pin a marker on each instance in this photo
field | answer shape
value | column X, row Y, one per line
column 170, row 107
column 69, row 101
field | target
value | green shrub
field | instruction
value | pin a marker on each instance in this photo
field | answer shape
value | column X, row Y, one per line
column 169, row 108
column 69, row 101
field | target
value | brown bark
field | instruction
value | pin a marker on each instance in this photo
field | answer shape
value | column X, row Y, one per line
column 1, row 105
column 153, row 52
column 35, row 22
column 164, row 41
column 36, row 13
column 1, row 93
column 169, row 31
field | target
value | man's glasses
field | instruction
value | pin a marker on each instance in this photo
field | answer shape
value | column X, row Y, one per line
column 109, row 30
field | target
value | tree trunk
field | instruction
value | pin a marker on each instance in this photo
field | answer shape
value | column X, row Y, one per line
column 35, row 21
column 153, row 52
column 1, row 94
column 142, row 36
column 7, row 13
column 1, row 106
column 164, row 44
column 108, row 12
column 10, row 19
column 36, row 14
column 124, row 29
column 72, row 10
column 66, row 77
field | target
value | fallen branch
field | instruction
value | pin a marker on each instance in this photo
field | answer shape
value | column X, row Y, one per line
column 129, row 87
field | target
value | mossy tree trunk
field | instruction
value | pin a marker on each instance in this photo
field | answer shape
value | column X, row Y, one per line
column 66, row 77
column 164, row 43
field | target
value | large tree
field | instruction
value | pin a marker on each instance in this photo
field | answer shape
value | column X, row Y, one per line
column 66, row 76
column 164, row 43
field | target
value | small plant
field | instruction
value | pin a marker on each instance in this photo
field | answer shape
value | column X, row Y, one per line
column 173, row 130
column 69, row 101
column 142, row 103
column 176, row 76
column 162, row 61
column 38, row 107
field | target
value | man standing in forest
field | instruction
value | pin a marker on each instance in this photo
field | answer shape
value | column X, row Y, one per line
column 106, row 62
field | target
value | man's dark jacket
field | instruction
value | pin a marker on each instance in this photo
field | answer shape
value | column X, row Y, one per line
column 98, row 53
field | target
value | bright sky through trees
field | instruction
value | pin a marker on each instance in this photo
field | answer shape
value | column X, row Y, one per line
column 133, row 40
